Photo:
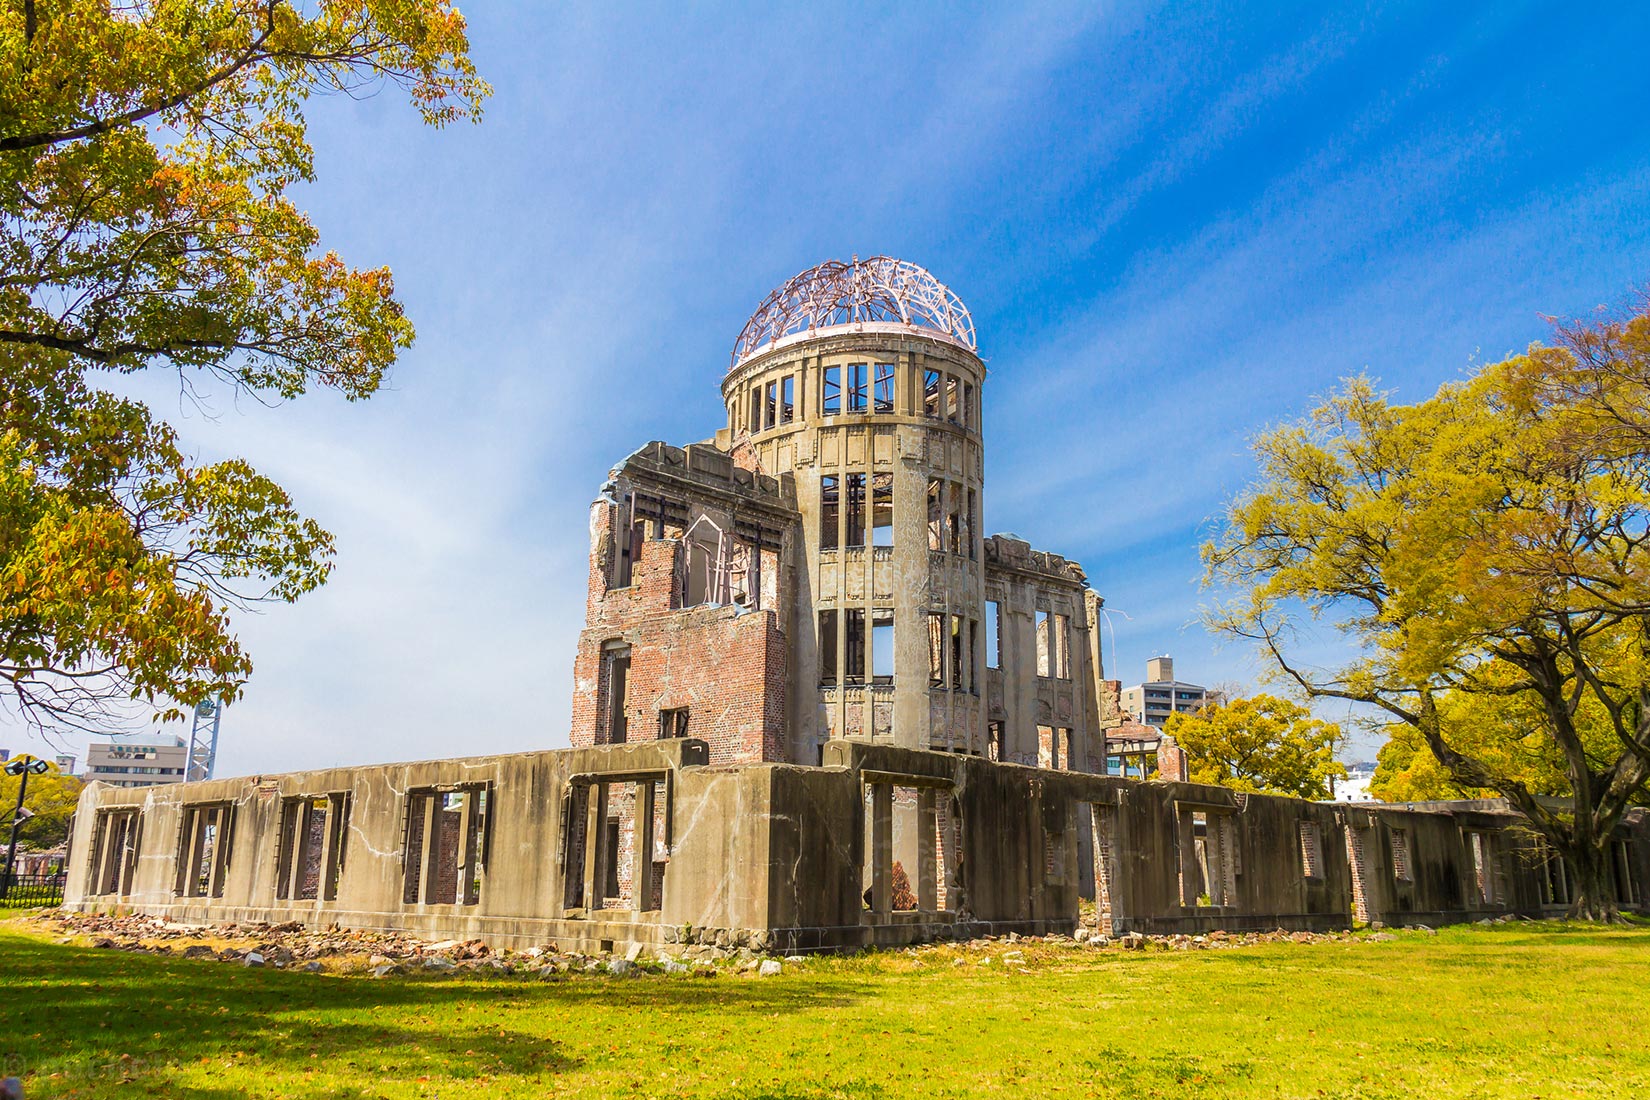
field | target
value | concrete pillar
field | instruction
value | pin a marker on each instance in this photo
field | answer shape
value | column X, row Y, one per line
column 595, row 821
column 469, row 842
column 426, row 865
column 882, row 850
column 641, row 849
column 927, row 838
column 1186, row 849
column 323, row 889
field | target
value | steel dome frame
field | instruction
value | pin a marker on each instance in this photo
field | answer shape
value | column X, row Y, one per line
column 880, row 290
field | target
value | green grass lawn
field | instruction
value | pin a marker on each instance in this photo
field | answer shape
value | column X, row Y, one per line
column 1511, row 1011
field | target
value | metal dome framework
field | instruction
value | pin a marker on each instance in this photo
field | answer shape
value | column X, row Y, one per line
column 879, row 291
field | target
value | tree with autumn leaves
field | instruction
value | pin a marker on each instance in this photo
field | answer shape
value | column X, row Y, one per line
column 146, row 152
column 1487, row 553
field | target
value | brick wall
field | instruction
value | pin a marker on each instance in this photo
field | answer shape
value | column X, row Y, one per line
column 1171, row 761
column 724, row 664
column 1355, row 857
column 449, row 830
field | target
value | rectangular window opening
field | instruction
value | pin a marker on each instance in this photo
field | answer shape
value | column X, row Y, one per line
column 933, row 383
column 882, row 645
column 311, row 852
column 968, row 405
column 936, row 514
column 673, row 722
column 882, row 509
column 204, row 847
column 958, row 655
column 859, row 387
column 614, row 690
column 787, row 399
column 882, row 388
column 954, row 522
column 1483, row 867
column 827, row 647
column 446, row 845
column 114, row 851
column 993, row 640
column 629, row 533
column 856, row 510
column 953, row 399
column 936, row 649
column 1044, row 654
column 830, row 403
column 853, row 628
column 1060, row 626
column 830, row 504
column 1048, row 747
column 1311, row 840
column 1400, row 855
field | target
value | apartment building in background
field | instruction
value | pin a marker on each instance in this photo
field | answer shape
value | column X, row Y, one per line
column 1161, row 694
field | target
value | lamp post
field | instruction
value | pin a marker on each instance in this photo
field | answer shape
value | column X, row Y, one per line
column 21, row 766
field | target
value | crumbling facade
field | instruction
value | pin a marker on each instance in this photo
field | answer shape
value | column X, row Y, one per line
column 841, row 503
column 814, row 707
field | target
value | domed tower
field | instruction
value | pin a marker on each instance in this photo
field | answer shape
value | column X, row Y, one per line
column 862, row 381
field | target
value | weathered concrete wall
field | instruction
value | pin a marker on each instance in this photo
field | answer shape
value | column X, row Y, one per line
column 882, row 845
column 1256, row 877
column 1422, row 864
column 521, row 874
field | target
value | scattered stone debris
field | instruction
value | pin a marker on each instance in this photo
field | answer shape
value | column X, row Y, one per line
column 385, row 954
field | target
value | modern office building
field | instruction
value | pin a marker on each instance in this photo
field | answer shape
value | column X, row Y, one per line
column 137, row 764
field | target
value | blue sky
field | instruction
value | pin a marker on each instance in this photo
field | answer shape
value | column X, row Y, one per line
column 1174, row 226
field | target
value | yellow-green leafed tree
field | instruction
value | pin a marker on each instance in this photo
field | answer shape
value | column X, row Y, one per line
column 146, row 152
column 1505, row 731
column 1487, row 551
column 50, row 800
column 1262, row 744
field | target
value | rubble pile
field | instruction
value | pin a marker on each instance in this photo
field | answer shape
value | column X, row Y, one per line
column 294, row 945
column 382, row 954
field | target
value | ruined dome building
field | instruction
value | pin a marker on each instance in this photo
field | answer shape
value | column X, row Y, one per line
column 814, row 708
column 835, row 521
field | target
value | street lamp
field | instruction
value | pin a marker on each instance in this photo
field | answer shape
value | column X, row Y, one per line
column 22, row 766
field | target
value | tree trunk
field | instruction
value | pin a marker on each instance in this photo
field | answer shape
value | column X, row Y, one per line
column 1593, row 893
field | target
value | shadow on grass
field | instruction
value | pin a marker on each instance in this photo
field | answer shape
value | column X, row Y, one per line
column 100, row 1017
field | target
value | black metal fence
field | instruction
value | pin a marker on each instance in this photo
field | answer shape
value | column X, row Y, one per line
column 28, row 891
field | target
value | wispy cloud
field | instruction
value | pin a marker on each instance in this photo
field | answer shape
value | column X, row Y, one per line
column 1174, row 223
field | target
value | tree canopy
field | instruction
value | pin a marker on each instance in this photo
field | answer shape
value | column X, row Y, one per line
column 1262, row 744
column 51, row 800
column 1485, row 551
column 1504, row 730
column 146, row 151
